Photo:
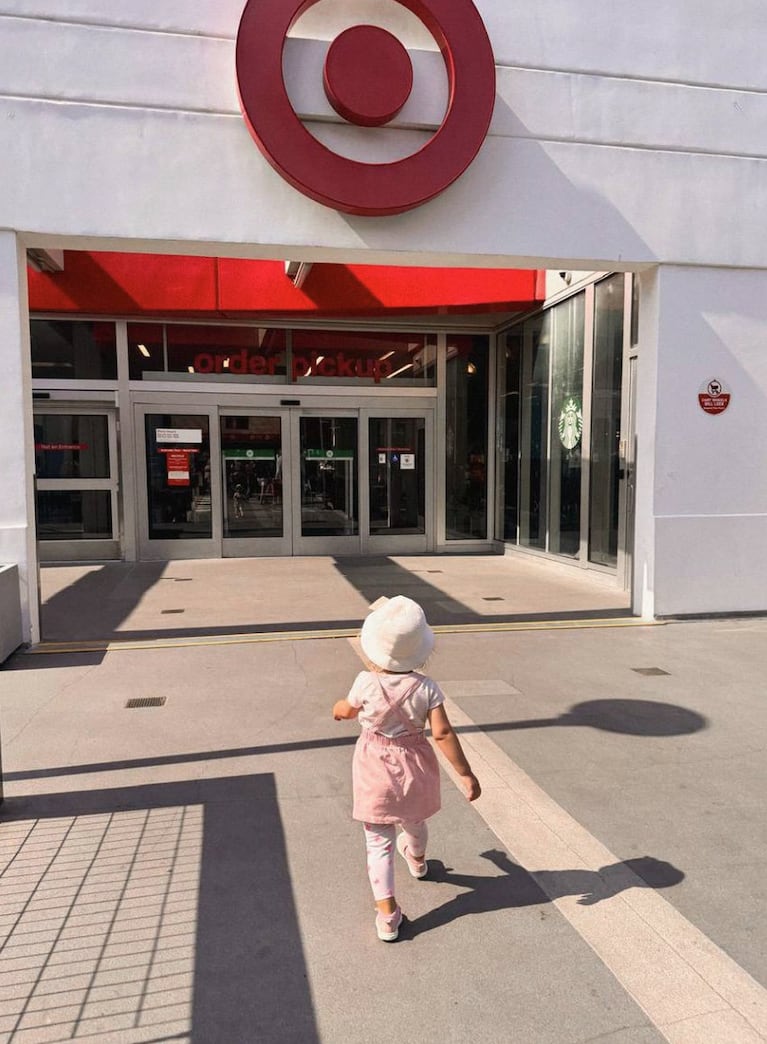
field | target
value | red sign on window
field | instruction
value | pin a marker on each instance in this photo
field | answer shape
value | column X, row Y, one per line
column 51, row 447
column 177, row 463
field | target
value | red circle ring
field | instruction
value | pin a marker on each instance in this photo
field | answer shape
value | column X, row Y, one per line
column 372, row 189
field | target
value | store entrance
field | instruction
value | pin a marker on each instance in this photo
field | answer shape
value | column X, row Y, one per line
column 281, row 481
column 319, row 482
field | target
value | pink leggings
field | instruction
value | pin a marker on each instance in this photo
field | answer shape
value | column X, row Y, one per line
column 380, row 839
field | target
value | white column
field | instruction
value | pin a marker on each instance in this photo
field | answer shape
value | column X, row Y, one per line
column 18, row 543
column 644, row 488
column 705, row 546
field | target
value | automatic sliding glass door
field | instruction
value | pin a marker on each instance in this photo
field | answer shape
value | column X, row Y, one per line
column 326, row 472
column 399, row 473
column 256, row 499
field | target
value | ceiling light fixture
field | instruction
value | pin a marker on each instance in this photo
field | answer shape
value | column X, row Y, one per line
column 297, row 272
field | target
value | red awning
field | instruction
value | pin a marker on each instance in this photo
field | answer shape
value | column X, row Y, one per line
column 122, row 284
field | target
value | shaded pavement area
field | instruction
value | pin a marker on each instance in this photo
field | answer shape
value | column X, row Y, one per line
column 230, row 596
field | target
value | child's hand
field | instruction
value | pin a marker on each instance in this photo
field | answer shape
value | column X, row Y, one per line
column 343, row 711
column 471, row 787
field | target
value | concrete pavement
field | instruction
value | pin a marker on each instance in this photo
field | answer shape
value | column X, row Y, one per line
column 190, row 871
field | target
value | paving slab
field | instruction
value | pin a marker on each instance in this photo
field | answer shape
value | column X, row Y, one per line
column 670, row 767
column 191, row 871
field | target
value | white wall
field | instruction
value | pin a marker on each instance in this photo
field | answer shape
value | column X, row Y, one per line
column 623, row 133
column 710, row 487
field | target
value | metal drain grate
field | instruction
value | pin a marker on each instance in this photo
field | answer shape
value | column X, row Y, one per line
column 492, row 598
column 146, row 701
column 169, row 612
column 650, row 672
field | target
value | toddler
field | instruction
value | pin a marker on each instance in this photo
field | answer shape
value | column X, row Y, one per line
column 395, row 774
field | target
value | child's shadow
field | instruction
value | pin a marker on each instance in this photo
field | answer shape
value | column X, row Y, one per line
column 515, row 887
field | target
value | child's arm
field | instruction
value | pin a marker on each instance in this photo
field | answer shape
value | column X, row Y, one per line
column 449, row 744
column 342, row 710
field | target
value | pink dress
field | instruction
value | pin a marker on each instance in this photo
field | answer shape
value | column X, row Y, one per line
column 395, row 779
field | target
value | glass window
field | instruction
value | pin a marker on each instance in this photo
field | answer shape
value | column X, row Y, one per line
column 71, row 446
column 329, row 476
column 508, row 419
column 606, row 421
column 466, row 438
column 534, row 439
column 178, row 477
column 344, row 357
column 225, row 352
column 566, row 427
column 73, row 350
column 146, row 350
column 252, row 452
column 74, row 515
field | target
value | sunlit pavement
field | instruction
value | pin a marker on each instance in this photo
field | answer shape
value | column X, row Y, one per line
column 190, row 871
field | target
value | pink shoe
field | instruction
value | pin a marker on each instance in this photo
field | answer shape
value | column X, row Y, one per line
column 387, row 925
column 416, row 869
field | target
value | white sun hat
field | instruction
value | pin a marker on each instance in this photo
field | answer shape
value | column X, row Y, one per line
column 396, row 635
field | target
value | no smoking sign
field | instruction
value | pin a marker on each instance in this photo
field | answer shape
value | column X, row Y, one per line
column 713, row 396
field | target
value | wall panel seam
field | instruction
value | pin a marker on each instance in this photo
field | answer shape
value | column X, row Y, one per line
column 602, row 74
column 115, row 27
column 584, row 142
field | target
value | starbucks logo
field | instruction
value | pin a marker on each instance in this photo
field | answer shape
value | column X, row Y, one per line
column 570, row 424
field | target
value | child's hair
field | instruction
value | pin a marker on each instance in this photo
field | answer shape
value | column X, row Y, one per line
column 396, row 637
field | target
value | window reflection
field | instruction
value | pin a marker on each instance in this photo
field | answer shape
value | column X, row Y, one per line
column 252, row 454
column 71, row 446
column 329, row 476
column 74, row 515
column 466, row 438
column 73, row 350
column 566, row 427
column 396, row 475
column 606, row 421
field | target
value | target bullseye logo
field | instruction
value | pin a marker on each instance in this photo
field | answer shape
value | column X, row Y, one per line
column 368, row 78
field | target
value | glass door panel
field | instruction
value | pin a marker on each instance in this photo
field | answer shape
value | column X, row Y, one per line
column 328, row 477
column 178, row 476
column 535, row 419
column 606, row 421
column 252, row 459
column 397, row 475
column 77, row 483
column 565, row 438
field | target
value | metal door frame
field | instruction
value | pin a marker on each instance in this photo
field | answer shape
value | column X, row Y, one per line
column 84, row 550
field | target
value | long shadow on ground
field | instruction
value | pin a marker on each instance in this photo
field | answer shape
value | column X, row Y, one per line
column 175, row 898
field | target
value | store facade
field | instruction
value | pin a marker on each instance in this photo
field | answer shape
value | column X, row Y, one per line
column 251, row 440
column 626, row 151
column 243, row 440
